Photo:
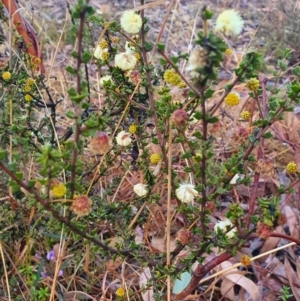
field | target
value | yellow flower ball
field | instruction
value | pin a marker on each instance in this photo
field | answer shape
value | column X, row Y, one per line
column 137, row 56
column 6, row 75
column 120, row 292
column 181, row 85
column 252, row 84
column 26, row 88
column 171, row 77
column 154, row 158
column 28, row 97
column 103, row 44
column 291, row 167
column 132, row 128
column 228, row 51
column 29, row 81
column 232, row 99
column 245, row 260
column 58, row 190
column 245, row 115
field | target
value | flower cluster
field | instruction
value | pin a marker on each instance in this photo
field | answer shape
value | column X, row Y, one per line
column 154, row 158
column 140, row 189
column 230, row 22
column 58, row 190
column 105, row 79
column 223, row 227
column 245, row 260
column 100, row 144
column 232, row 99
column 245, row 115
column 82, row 205
column 132, row 128
column 291, row 167
column 197, row 60
column 252, row 84
column 228, row 51
column 171, row 77
column 183, row 236
column 265, row 167
column 6, row 75
column 123, row 138
column 125, row 60
column 29, row 81
column 28, row 97
column 186, row 193
column 131, row 22
column 120, row 292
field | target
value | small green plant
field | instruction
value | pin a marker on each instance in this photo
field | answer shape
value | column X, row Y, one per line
column 285, row 293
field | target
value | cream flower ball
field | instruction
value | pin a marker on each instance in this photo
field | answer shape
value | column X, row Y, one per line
column 131, row 22
column 186, row 193
column 223, row 226
column 105, row 78
column 123, row 138
column 125, row 60
column 230, row 22
column 197, row 59
column 140, row 189
column 100, row 53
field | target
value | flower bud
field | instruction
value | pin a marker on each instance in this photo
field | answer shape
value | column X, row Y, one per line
column 179, row 117
column 82, row 205
column 183, row 236
column 100, row 143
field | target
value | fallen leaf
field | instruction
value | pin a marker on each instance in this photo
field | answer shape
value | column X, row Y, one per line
column 144, row 278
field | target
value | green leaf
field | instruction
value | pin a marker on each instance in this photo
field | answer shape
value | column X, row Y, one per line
column 197, row 115
column 267, row 135
column 19, row 175
column 72, row 92
column 70, row 70
column 12, row 166
column 161, row 47
column 78, row 97
column 86, row 56
column 213, row 119
column 74, row 54
column 197, row 135
column 209, row 93
column 2, row 154
column 70, row 114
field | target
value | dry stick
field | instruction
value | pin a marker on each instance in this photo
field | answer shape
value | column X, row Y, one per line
column 203, row 163
column 199, row 273
column 78, row 83
column 150, row 93
column 252, row 199
column 162, row 28
column 5, row 271
column 168, row 232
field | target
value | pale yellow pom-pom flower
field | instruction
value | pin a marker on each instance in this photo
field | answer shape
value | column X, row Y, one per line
column 186, row 193
column 230, row 22
column 123, row 138
column 140, row 189
column 125, row 60
column 131, row 22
